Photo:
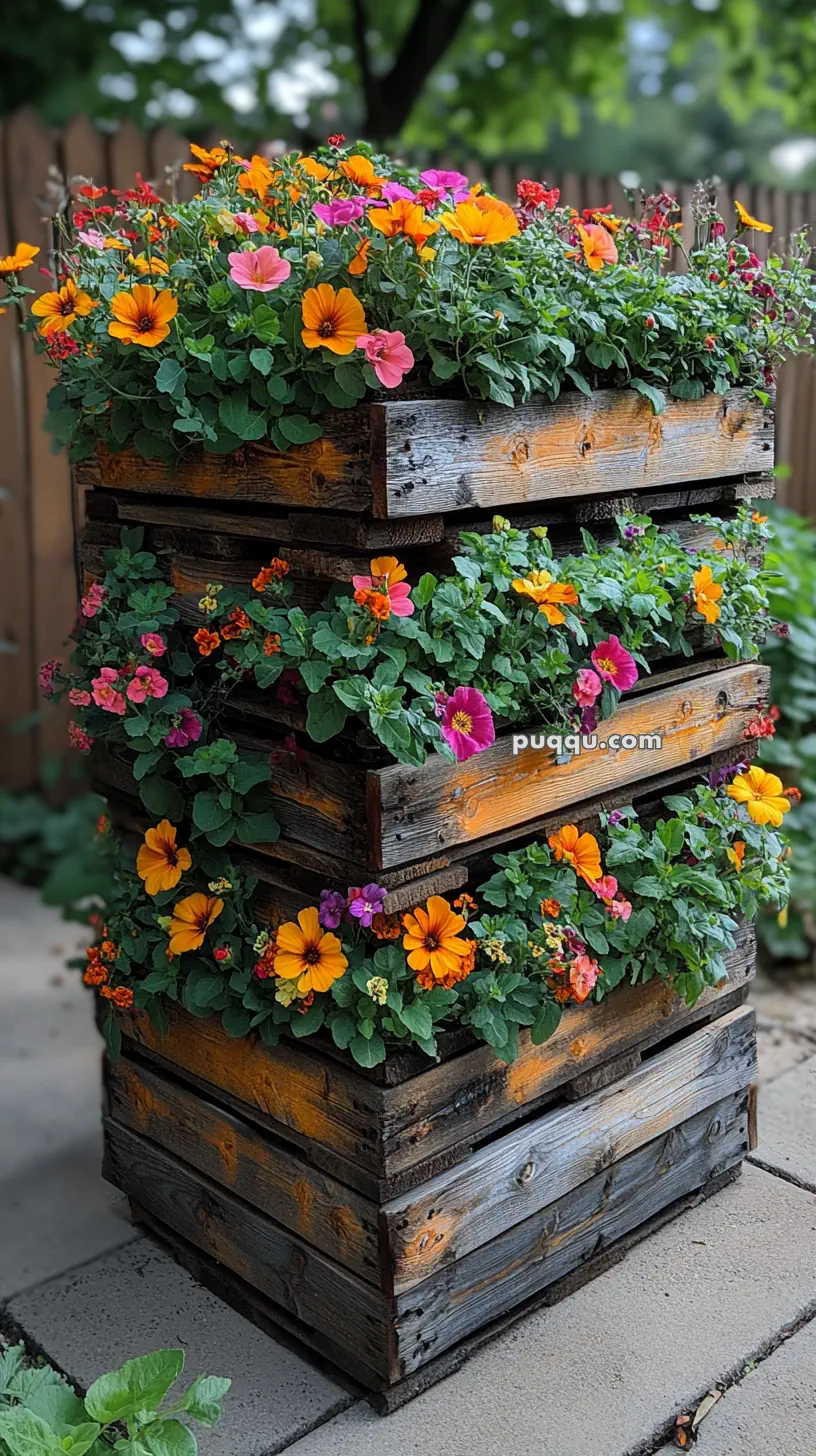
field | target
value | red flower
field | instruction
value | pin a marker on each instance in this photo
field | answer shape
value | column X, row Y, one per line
column 336, row 139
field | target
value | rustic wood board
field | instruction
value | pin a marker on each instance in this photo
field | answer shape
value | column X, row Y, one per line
column 422, row 811
column 512, row 1177
column 258, row 1168
column 448, row 455
column 450, row 1305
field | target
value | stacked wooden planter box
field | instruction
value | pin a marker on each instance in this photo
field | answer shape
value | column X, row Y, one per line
column 392, row 1219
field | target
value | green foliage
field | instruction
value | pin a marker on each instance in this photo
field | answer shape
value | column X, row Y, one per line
column 56, row 847
column 40, row 1415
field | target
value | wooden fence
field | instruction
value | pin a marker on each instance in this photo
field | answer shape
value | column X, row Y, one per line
column 37, row 575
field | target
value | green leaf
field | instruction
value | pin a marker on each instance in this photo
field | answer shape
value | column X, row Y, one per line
column 546, row 1023
column 298, row 430
column 655, row 396
column 257, row 829
column 354, row 692
column 418, row 1019
column 208, row 811
column 167, row 1437
column 325, row 716
column 25, row 1434
column 237, row 417
column 343, row 1029
column 236, row 1022
column 171, row 378
column 424, row 590
column 203, row 1399
column 688, row 389
column 81, row 1438
column 262, row 360
column 368, row 1053
column 161, row 797
column 314, row 674
column 138, row 1385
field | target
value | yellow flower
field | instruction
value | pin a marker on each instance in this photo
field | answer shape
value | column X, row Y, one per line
column 159, row 862
column 192, row 918
column 761, row 793
column 747, row 221
column 332, row 320
column 142, row 316
column 22, row 257
column 432, row 938
column 582, row 851
column 484, row 221
column 59, row 310
column 706, row 594
column 545, row 592
column 308, row 953
column 145, row 265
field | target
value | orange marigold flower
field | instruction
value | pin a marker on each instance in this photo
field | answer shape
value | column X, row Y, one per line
column 108, row 950
column 279, row 568
column 95, row 975
column 465, row 902
column 22, row 257
column 432, row 938
column 707, row 594
column 271, row 643
column 121, row 996
column 540, row 587
column 377, row 604
column 262, row 580
column 237, row 623
column 484, row 221
column 318, row 171
column 309, row 953
column 332, row 319
column 206, row 641
column 190, row 921
column 386, row 927
column 359, row 261
column 160, row 862
column 551, row 908
column 360, row 171
column 59, row 310
column 794, row 794
column 143, row 315
column 579, row 850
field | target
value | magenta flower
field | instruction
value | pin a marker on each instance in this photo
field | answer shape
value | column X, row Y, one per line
column 341, row 211
column 187, row 728
column 259, row 269
column 79, row 698
column 454, row 182
column 105, row 694
column 467, row 726
column 614, row 818
column 393, row 191
column 615, row 664
column 153, row 643
column 45, row 676
column 147, row 682
column 332, row 909
column 586, row 687
column 93, row 599
column 364, row 904
column 388, row 354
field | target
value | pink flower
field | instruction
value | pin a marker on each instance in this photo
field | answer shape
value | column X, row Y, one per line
column 340, row 212
column 393, row 191
column 104, row 693
column 615, row 664
column 153, row 643
column 246, row 221
column 46, row 675
column 79, row 697
column 606, row 888
column 621, row 909
column 583, row 975
column 261, row 269
column 388, row 354
column 586, row 687
column 93, row 239
column 187, row 728
column 147, row 682
column 93, row 599
column 78, row 738
column 467, row 726
column 455, row 182
column 396, row 587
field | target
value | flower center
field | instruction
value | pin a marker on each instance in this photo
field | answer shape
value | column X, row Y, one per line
column 326, row 329
column 461, row 722
column 606, row 665
column 430, row 943
column 171, row 855
column 65, row 307
column 145, row 324
column 311, row 955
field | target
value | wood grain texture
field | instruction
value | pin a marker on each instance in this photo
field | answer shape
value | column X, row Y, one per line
column 448, row 455
column 258, row 1168
column 424, row 810
column 515, row 1176
column 318, row 1291
column 446, row 1308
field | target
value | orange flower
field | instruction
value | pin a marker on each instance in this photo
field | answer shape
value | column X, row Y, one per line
column 271, row 643
column 706, row 594
column 314, row 169
column 142, row 316
column 237, row 623
column 95, row 975
column 108, row 950
column 551, row 908
column 308, row 952
column 404, row 217
column 387, row 570
column 579, row 850
column 757, row 519
column 333, row 320
column 22, row 257
column 736, row 854
column 121, row 996
column 427, row 980
column 207, row 163
column 145, row 265
column 598, row 245
column 545, row 592
column 191, row 920
column 386, row 927
column 484, row 221
column 762, row 795
column 432, row 938
column 159, row 862
column 359, row 262
column 206, row 641
column 745, row 220
column 360, row 171
column 257, row 177
column 59, row 310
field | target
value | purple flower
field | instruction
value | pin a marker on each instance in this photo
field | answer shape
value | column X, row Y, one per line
column 364, row 904
column 718, row 776
column 630, row 532
column 340, row 212
column 187, row 728
column 614, row 818
column 456, row 182
column 332, row 909
column 393, row 191
column 782, row 629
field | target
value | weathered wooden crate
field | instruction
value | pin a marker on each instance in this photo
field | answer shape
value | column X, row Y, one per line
column 391, row 1219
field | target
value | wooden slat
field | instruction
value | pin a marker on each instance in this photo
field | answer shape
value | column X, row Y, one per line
column 510, row 1179
column 128, row 155
column 422, row 810
column 256, row 1167
column 447, row 455
column 168, row 152
column 459, row 1299
column 301, row 1280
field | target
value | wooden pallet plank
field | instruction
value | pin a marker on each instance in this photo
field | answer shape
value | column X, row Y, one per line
column 449, row 455
column 515, row 1176
column 451, row 1304
column 258, row 1168
column 423, row 810
column 476, row 1093
column 301, row 1280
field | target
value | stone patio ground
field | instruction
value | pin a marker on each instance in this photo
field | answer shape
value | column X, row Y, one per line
column 723, row 1298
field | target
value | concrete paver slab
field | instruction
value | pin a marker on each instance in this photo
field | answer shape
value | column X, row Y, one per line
column 787, row 1125
column 601, row 1372
column 138, row 1299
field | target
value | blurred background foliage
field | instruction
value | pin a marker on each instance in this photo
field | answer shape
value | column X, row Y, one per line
column 658, row 88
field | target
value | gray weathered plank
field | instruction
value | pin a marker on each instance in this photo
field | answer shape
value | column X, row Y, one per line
column 513, row 1177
